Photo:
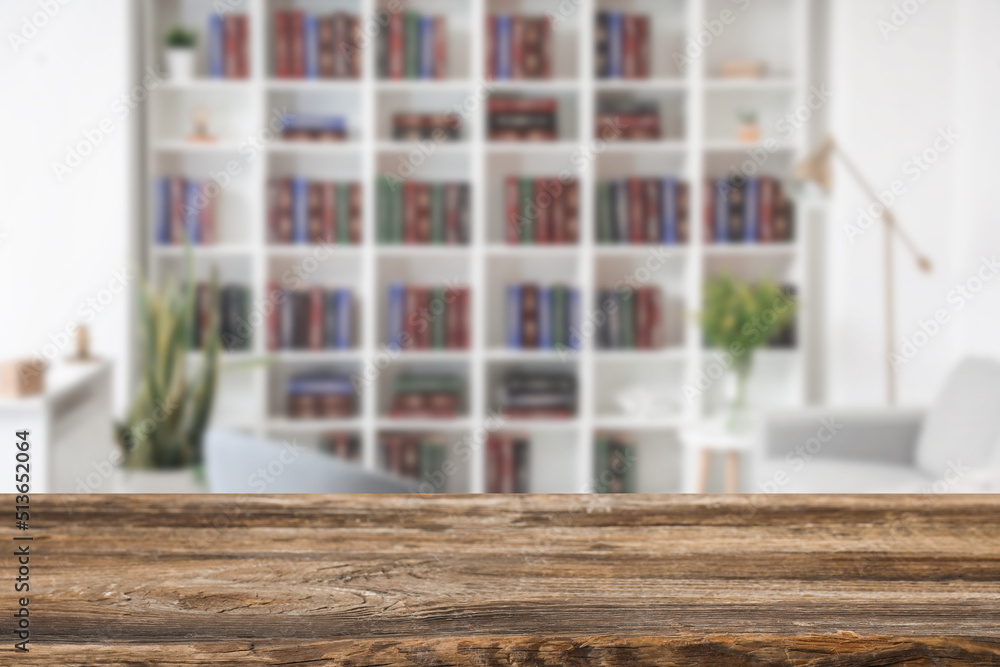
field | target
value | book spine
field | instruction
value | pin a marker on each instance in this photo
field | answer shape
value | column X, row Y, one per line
column 231, row 45
column 642, row 318
column 440, row 47
column 546, row 46
column 751, row 210
column 601, row 45
column 735, row 211
column 327, row 47
column 411, row 44
column 517, row 47
column 622, row 211
column 642, row 47
column 311, row 46
column 437, row 215
column 329, row 212
column 330, row 319
column 340, row 40
column 560, row 224
column 529, row 316
column 491, row 47
column 300, row 208
column 635, row 225
column 275, row 295
column 243, row 49
column 767, row 199
column 560, row 317
column 410, row 213
column 282, row 45
column 543, row 208
column 527, row 200
column 426, row 47
column 627, row 311
column 423, row 329
column 668, row 215
column 345, row 318
column 574, row 319
column 452, row 197
column 512, row 198
column 629, row 47
column 465, row 317
column 615, row 46
column 720, row 207
column 356, row 37
column 315, row 329
column 297, row 44
column 396, row 314
column 355, row 210
column 177, row 201
column 343, row 213
column 288, row 320
column 651, row 211
column 603, row 213
column 206, row 220
column 439, row 320
column 545, row 338
column 161, row 197
column 514, row 316
column 216, row 47
column 396, row 54
column 192, row 210
column 504, row 47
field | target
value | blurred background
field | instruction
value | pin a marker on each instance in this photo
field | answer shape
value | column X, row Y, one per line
column 501, row 245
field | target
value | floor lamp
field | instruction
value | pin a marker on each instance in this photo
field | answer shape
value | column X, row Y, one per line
column 818, row 169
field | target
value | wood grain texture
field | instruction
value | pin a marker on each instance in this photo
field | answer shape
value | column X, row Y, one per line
column 512, row 580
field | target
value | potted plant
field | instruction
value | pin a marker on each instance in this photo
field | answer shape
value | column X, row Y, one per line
column 749, row 132
column 162, row 436
column 180, row 53
column 738, row 318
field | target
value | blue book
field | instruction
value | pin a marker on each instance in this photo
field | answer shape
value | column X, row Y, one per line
column 505, row 47
column 344, row 319
column 616, row 43
column 192, row 213
column 668, row 211
column 216, row 47
column 751, row 210
column 330, row 319
column 721, row 207
column 545, row 338
column 427, row 47
column 311, row 30
column 162, row 198
column 514, row 316
column 396, row 314
column 300, row 210
column 574, row 319
column 321, row 384
column 287, row 321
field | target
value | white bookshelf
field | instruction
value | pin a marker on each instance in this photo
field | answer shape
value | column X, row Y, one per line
column 699, row 109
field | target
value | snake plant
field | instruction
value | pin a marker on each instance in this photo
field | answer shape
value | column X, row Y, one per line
column 166, row 424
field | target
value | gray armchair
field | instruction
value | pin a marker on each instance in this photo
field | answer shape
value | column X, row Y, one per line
column 952, row 448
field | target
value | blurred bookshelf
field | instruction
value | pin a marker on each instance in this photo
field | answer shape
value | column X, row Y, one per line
column 695, row 111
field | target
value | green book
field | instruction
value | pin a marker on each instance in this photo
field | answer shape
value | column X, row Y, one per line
column 604, row 204
column 437, row 214
column 343, row 213
column 602, row 464
column 628, row 466
column 384, row 209
column 396, row 213
column 439, row 321
column 626, row 311
column 527, row 204
column 412, row 45
column 418, row 384
column 560, row 317
column 431, row 463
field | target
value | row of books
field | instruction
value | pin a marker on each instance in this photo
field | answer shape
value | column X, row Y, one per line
column 429, row 318
column 421, row 212
column 615, row 465
column 314, row 319
column 345, row 446
column 544, row 395
column 518, row 47
column 507, row 463
column 750, row 210
column 229, row 46
column 427, row 396
column 542, row 210
column 304, row 211
column 313, row 127
column 620, row 119
column 511, row 118
column 542, row 317
column 642, row 210
column 320, row 396
column 416, row 456
column 634, row 318
column 414, row 46
column 316, row 47
column 418, row 126
column 225, row 316
column 185, row 210
column 622, row 46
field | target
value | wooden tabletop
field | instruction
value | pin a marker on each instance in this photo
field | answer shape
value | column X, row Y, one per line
column 511, row 580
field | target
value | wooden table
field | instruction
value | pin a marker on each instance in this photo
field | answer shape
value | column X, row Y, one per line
column 530, row 580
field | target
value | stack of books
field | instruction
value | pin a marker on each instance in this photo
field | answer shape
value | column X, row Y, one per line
column 507, row 462
column 417, row 126
column 314, row 319
column 622, row 42
column 313, row 127
column 615, row 465
column 542, row 210
column 320, row 396
column 539, row 395
column 751, row 210
column 414, row 46
column 342, row 445
column 228, row 46
column 642, row 210
column 418, row 456
column 429, row 318
column 185, row 211
column 315, row 47
column 304, row 211
column 542, row 317
column 414, row 212
column 634, row 318
column 433, row 396
column 620, row 119
column 523, row 118
column 518, row 47
column 228, row 313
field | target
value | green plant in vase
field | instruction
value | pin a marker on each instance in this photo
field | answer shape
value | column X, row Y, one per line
column 166, row 425
column 739, row 317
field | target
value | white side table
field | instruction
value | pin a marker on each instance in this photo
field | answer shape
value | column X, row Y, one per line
column 701, row 440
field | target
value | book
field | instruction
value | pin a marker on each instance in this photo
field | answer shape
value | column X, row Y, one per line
column 311, row 46
column 514, row 316
column 216, row 47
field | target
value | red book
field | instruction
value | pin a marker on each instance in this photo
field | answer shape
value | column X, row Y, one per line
column 708, row 224
column 242, row 46
column 412, row 316
column 451, row 214
column 529, row 316
column 285, row 206
column 315, row 211
column 546, row 48
column 493, row 463
column 423, row 213
column 630, row 47
column 513, row 201
column 654, row 318
column 635, row 213
column 682, row 213
column 282, row 47
column 652, row 188
column 768, row 192
column 329, row 214
column 274, row 318
column 517, row 47
column 354, row 61
column 557, row 224
column 465, row 317
column 396, row 46
column 177, row 231
column 508, row 464
column 440, row 47
column 410, row 212
column 642, row 47
column 543, row 202
column 572, row 205
column 453, row 321
column 642, row 318
column 341, row 66
column 355, row 213
column 491, row 47
column 231, row 45
column 297, row 44
column 423, row 327
column 206, row 217
column 316, row 318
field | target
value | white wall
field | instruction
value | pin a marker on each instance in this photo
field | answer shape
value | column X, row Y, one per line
column 892, row 95
column 64, row 240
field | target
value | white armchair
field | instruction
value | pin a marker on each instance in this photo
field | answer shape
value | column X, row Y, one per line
column 952, row 448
